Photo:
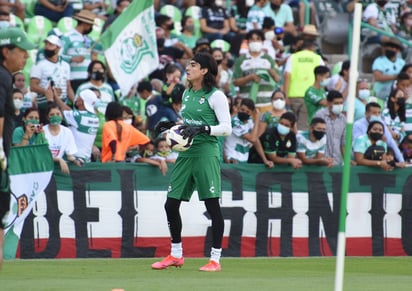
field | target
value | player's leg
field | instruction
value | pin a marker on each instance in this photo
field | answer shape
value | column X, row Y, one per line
column 208, row 183
column 180, row 189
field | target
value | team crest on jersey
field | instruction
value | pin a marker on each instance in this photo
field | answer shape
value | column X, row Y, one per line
column 288, row 144
column 202, row 100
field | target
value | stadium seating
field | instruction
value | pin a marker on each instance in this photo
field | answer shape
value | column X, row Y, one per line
column 220, row 43
column 16, row 21
column 37, row 29
column 66, row 24
column 174, row 13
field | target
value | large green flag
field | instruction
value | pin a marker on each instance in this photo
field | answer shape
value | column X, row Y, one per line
column 30, row 170
column 130, row 45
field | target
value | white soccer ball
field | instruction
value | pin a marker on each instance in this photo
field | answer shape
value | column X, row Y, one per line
column 175, row 140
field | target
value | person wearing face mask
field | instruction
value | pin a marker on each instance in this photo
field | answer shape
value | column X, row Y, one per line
column 17, row 96
column 50, row 77
column 96, row 78
column 315, row 95
column 386, row 68
column 83, row 122
column 369, row 149
column 311, row 144
column 362, row 98
column 335, row 127
column 373, row 113
column 271, row 118
column 254, row 73
column 60, row 139
column 279, row 143
column 188, row 35
column 244, row 136
column 256, row 15
column 271, row 45
column 394, row 115
column 78, row 47
column 30, row 131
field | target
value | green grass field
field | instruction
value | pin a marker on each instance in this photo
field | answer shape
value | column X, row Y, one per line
column 361, row 273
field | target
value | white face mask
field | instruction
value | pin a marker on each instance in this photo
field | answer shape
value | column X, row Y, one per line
column 364, row 94
column 18, row 104
column 279, row 104
column 269, row 35
column 128, row 121
column 337, row 108
column 324, row 83
column 255, row 46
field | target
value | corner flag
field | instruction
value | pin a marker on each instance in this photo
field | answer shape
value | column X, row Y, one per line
column 130, row 45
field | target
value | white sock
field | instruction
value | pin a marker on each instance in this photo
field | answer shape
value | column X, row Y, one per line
column 177, row 250
column 215, row 254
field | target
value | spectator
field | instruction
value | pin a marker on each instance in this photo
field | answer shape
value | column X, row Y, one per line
column 335, row 127
column 223, row 78
column 51, row 77
column 155, row 110
column 30, row 133
column 96, row 78
column 19, row 82
column 171, row 40
column 164, row 152
column 17, row 96
column 188, row 36
column 254, row 73
column 237, row 22
column 121, row 5
column 394, row 115
column 244, row 135
column 271, row 45
column 98, row 7
column 408, row 70
column 256, row 15
column 60, row 139
column 386, row 68
column 269, row 119
column 298, row 77
column 311, row 144
column 362, row 98
column 4, row 16
column 376, row 15
column 83, row 122
column 118, row 136
column 145, row 156
column 406, row 149
column 339, row 82
column 214, row 22
column 279, row 143
column 373, row 113
column 54, row 10
column 78, row 47
column 172, row 84
column 202, row 45
column 369, row 149
column 315, row 95
column 282, row 15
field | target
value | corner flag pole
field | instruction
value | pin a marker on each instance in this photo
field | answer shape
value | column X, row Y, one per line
column 353, row 77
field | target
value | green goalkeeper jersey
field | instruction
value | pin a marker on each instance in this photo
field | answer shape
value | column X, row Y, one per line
column 196, row 111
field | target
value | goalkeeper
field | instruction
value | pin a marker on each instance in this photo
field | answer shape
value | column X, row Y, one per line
column 205, row 113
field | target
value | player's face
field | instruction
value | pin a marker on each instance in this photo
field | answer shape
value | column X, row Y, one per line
column 194, row 72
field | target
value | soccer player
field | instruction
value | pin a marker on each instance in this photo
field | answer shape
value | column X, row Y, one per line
column 205, row 113
column 13, row 55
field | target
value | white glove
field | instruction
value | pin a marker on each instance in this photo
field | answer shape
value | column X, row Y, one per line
column 3, row 158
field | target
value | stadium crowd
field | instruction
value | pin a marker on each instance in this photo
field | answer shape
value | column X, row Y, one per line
column 287, row 102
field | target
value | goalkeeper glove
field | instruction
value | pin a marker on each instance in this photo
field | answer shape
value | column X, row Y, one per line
column 188, row 131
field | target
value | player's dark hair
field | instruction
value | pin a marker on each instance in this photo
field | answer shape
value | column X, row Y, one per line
column 207, row 61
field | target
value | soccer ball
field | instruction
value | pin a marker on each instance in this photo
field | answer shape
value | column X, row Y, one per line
column 175, row 140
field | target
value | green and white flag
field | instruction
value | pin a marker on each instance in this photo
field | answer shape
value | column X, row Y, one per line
column 30, row 170
column 130, row 45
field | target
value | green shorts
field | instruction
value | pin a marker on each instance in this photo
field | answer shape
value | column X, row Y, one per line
column 189, row 174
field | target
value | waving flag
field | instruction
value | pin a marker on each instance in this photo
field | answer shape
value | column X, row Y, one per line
column 30, row 170
column 130, row 45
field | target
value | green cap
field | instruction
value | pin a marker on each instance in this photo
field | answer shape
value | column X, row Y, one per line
column 16, row 36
